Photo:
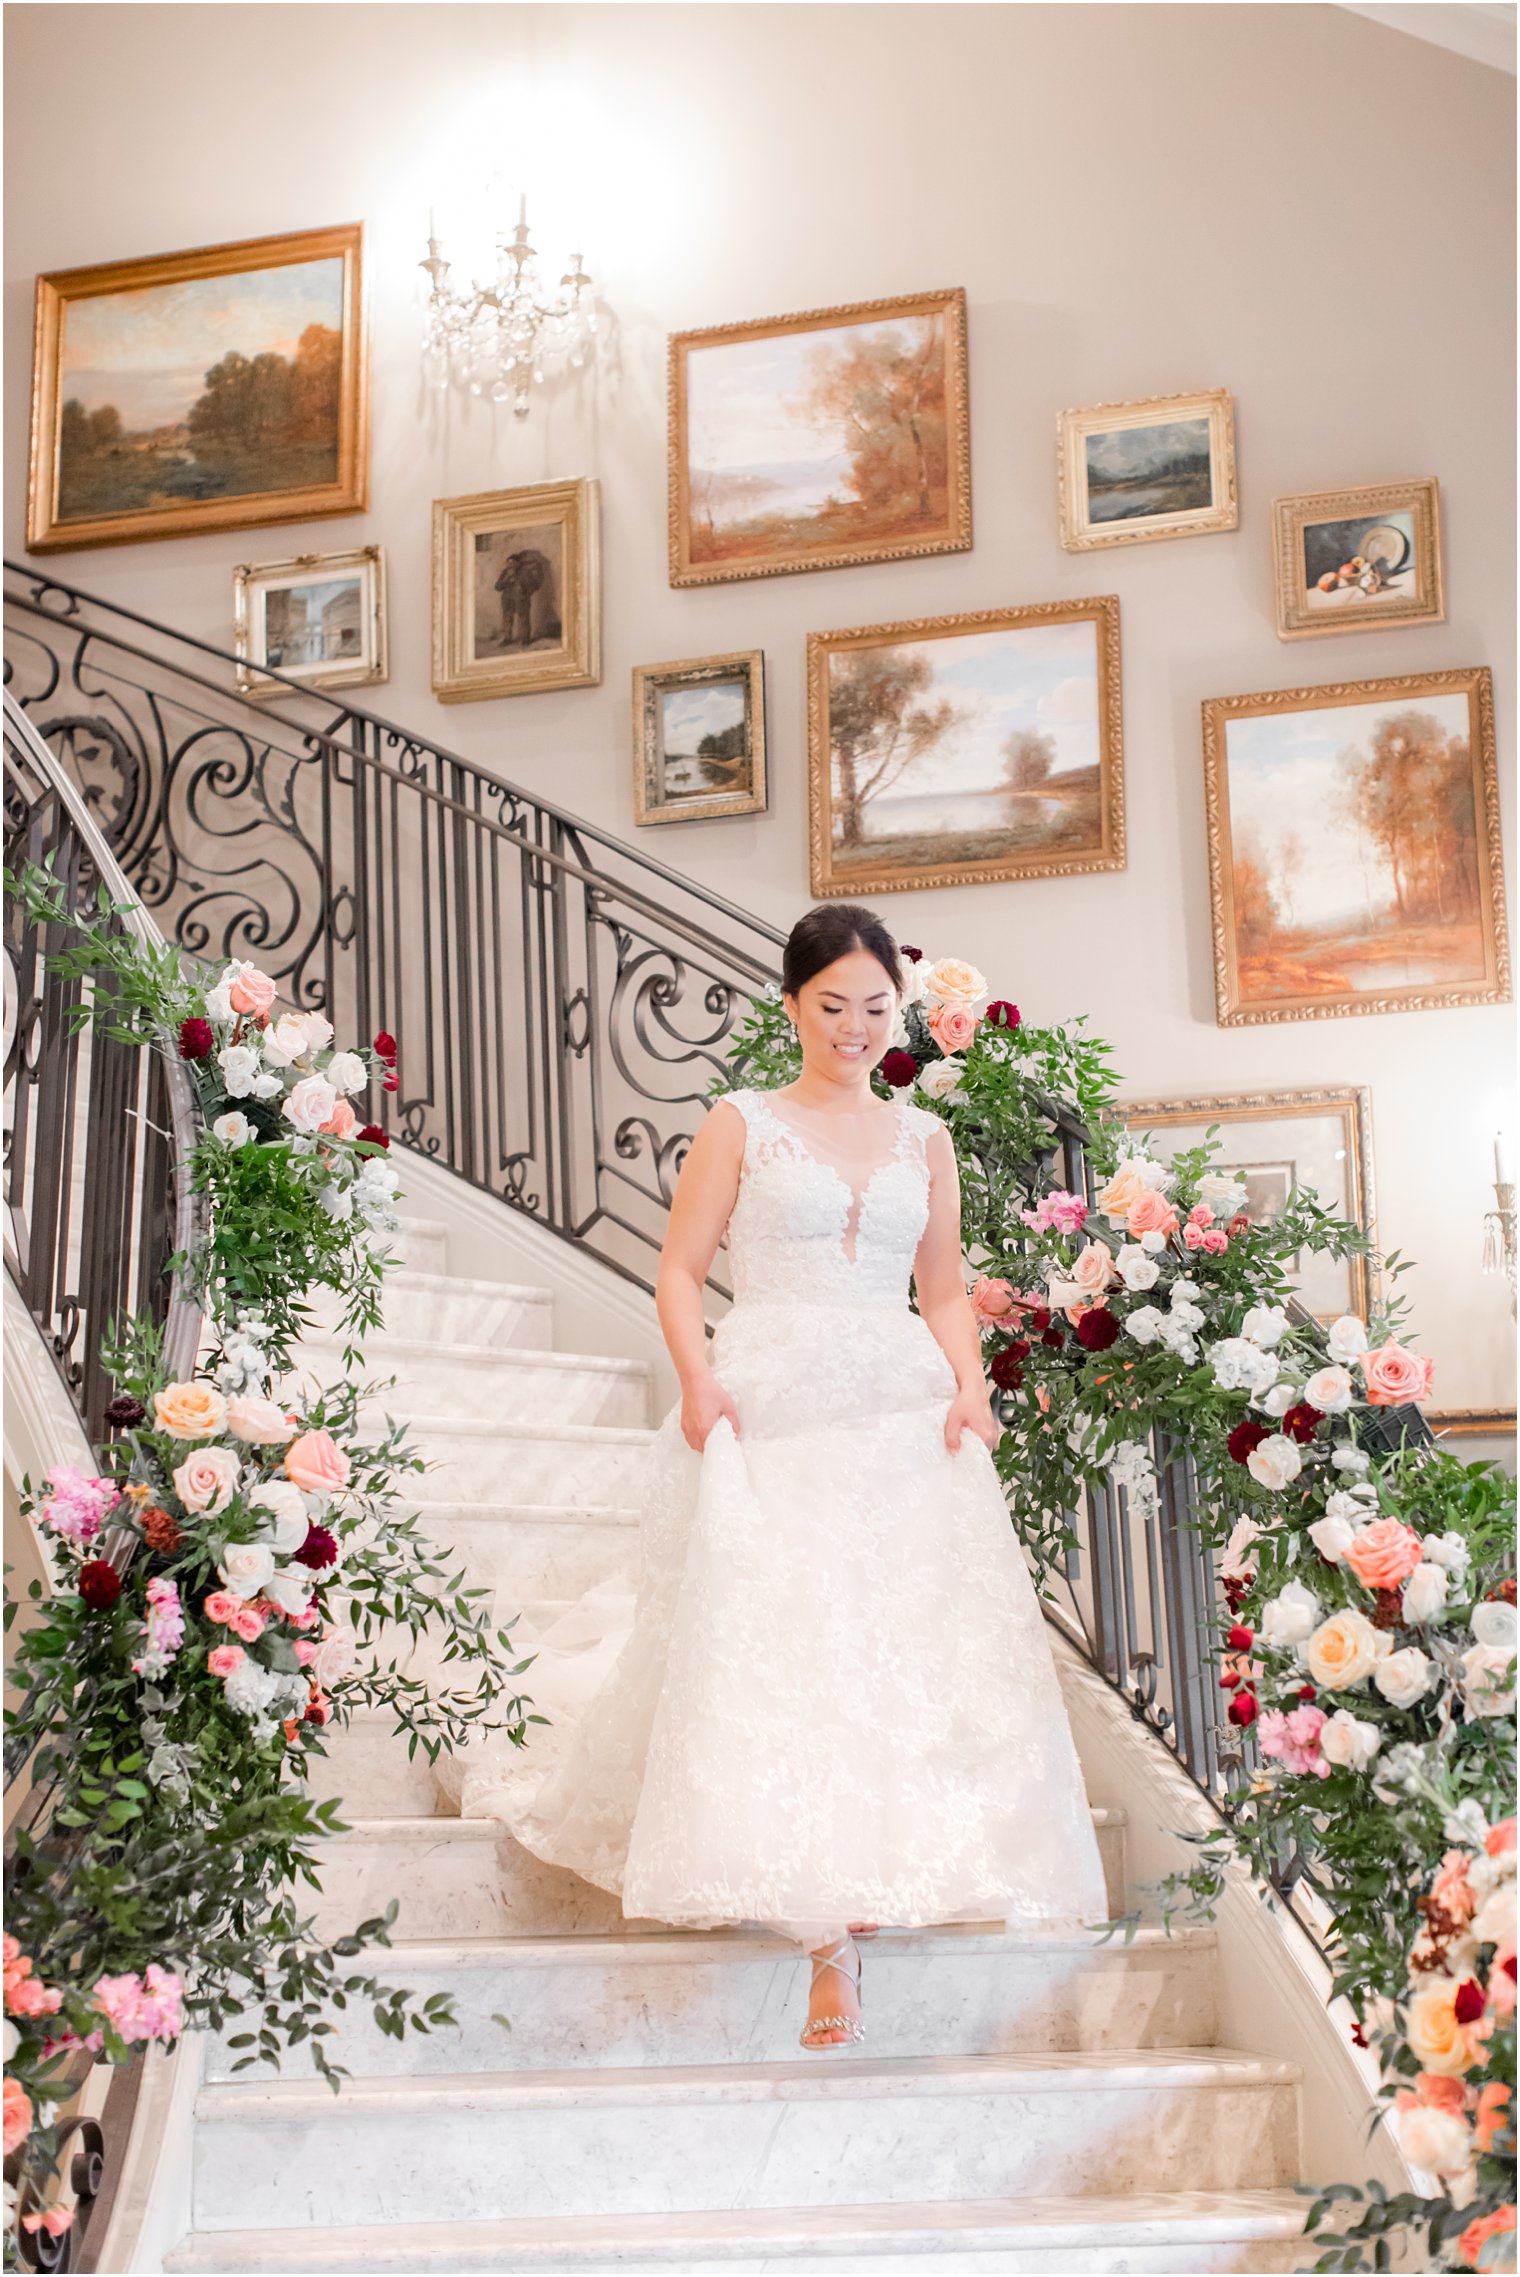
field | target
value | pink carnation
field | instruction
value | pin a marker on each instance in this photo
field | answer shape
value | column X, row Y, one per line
column 77, row 1506
column 1294, row 1740
column 1067, row 1213
column 147, row 2007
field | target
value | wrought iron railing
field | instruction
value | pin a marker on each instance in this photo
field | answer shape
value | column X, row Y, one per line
column 562, row 1003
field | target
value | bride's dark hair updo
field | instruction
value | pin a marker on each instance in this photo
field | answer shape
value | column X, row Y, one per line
column 834, row 929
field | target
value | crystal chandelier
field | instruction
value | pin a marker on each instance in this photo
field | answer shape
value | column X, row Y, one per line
column 503, row 338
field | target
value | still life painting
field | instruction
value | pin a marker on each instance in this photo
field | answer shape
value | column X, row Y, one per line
column 965, row 749
column 1162, row 468
column 699, row 739
column 516, row 591
column 815, row 441
column 208, row 390
column 318, row 619
column 1354, row 848
column 1359, row 560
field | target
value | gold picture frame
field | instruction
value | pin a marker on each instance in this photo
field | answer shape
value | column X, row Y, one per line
column 715, row 705
column 1359, row 739
column 1391, row 576
column 537, row 624
column 1012, row 804
column 728, row 397
column 1117, row 462
column 1472, row 1422
column 1345, row 1111
column 334, row 633
column 162, row 462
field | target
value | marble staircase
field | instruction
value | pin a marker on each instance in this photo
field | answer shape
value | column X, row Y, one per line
column 1023, row 2103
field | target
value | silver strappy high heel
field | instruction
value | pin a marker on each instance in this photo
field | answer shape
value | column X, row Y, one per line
column 851, row 2025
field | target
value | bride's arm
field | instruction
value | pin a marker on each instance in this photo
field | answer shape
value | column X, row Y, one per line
column 943, row 1302
column 699, row 1209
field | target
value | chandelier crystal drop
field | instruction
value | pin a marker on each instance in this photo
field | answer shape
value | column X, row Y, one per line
column 504, row 338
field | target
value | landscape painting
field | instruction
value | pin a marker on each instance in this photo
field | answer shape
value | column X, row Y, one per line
column 699, row 739
column 318, row 619
column 199, row 391
column 1354, row 849
column 966, row 749
column 1359, row 560
column 1158, row 469
column 811, row 442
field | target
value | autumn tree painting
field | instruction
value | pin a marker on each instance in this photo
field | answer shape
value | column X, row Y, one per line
column 879, row 724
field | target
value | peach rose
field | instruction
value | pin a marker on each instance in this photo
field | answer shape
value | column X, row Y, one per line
column 18, row 2115
column 1343, row 1651
column 1438, row 2040
column 951, row 981
column 1122, row 1191
column 992, row 1302
column 1451, row 1889
column 1500, row 1838
column 190, row 1411
column 222, row 1659
column 310, row 1103
column 207, row 1480
column 258, row 1421
column 1395, row 1376
column 1383, row 1554
column 1490, row 2118
column 1477, row 2234
column 316, row 1463
column 953, row 1025
column 1094, row 1269
column 342, row 1122
column 252, row 992
column 1151, row 1212
column 1436, row 2093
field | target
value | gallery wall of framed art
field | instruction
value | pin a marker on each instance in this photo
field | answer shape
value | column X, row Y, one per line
column 851, row 390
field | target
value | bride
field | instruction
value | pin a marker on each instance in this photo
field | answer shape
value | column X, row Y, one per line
column 833, row 1703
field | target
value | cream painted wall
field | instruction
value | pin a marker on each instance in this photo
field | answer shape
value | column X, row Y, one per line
column 1291, row 201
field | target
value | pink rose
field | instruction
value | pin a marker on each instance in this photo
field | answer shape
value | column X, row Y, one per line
column 306, row 1649
column 259, row 1421
column 1216, row 1239
column 342, row 1122
column 991, row 1301
column 1192, row 1236
column 335, row 1655
column 1200, row 1214
column 953, row 1025
column 316, row 1464
column 1396, row 1376
column 310, row 1103
column 18, row 2114
column 248, row 1623
column 224, row 1658
column 1151, row 1212
column 1383, row 1554
column 252, row 992
column 222, row 1606
column 207, row 1479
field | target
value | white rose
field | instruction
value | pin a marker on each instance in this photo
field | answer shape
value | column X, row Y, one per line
column 233, row 1129
column 1437, row 2142
column 913, row 979
column 1345, row 1739
column 291, row 1591
column 1424, row 1595
column 1235, row 1557
column 315, row 1027
column 1350, row 1458
column 940, row 1078
column 1493, row 1623
column 1330, row 1390
column 1144, row 1323
column 1353, row 1503
column 1136, row 1270
column 311, row 1103
column 1278, row 1400
column 1488, row 1679
column 1275, row 1462
column 1404, row 1677
column 239, row 1065
column 285, row 1041
column 265, row 1085
column 1448, row 1550
column 1347, row 1337
column 289, row 1518
column 336, row 1655
column 338, row 1202
column 1290, row 1616
column 346, row 1072
column 1494, row 1921
column 1265, row 1325
column 247, row 1568
column 1332, row 1537
column 207, row 1479
column 1240, row 1365
column 219, row 1002
column 1223, row 1190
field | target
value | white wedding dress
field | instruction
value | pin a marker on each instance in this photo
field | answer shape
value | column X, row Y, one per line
column 833, row 1698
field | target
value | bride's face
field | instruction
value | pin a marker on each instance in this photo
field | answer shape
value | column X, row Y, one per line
column 844, row 1017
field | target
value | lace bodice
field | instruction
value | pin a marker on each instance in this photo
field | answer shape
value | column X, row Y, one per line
column 835, row 1227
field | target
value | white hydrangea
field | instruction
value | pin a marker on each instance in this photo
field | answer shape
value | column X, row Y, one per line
column 1355, row 1504
column 337, row 1202
column 1448, row 1550
column 1131, row 1466
column 1176, row 1335
column 1184, row 1290
column 1186, row 1314
column 1239, row 1364
column 1265, row 1325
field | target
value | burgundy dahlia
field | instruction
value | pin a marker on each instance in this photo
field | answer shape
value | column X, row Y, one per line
column 196, row 1039
column 1244, row 1708
column 1019, row 1348
column 1247, row 1434
column 99, row 1584
column 385, row 1045
column 899, row 1069
column 1097, row 1329
column 1001, row 1014
column 914, row 956
column 124, row 1411
column 373, row 1135
column 1301, row 1421
column 1053, row 1337
column 319, row 1549
column 1005, row 1371
column 1040, row 1317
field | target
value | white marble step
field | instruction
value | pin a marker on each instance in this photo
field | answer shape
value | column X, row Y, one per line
column 739, row 1996
column 816, row 2131
column 1174, row 2233
column 478, row 1383
column 537, row 1553
column 422, row 1244
column 424, row 1308
column 468, row 1877
column 569, row 1465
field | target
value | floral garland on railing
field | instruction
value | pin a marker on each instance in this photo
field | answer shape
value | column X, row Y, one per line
column 237, row 1579
column 1368, row 1633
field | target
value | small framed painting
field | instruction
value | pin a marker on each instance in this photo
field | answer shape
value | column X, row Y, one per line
column 1163, row 468
column 817, row 441
column 210, row 390
column 699, row 739
column 318, row 619
column 1354, row 852
column 516, row 592
column 1359, row 560
column 962, row 750
column 1274, row 1143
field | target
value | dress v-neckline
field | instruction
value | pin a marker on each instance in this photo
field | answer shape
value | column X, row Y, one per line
column 854, row 1201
